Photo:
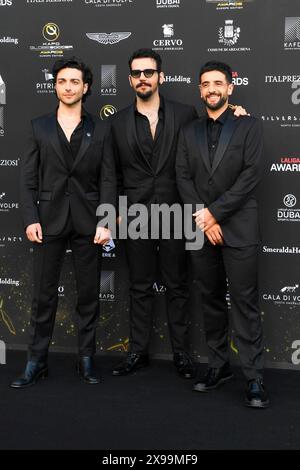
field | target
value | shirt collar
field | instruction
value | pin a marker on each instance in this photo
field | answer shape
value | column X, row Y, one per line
column 222, row 118
column 84, row 114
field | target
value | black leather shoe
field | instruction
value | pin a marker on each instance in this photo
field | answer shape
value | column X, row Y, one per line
column 184, row 365
column 33, row 372
column 256, row 395
column 131, row 364
column 213, row 378
column 86, row 369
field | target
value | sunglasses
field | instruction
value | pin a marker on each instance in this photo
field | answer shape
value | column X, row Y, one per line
column 148, row 73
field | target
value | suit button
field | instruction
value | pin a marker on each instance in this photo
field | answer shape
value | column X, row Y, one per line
column 210, row 182
column 67, row 194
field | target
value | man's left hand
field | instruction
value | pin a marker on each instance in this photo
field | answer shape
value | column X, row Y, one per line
column 204, row 219
column 215, row 235
column 102, row 235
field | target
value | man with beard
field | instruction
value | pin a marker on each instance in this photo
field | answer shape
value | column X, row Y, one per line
column 61, row 179
column 143, row 148
column 219, row 165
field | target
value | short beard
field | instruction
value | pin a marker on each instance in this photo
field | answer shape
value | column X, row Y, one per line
column 215, row 107
column 144, row 96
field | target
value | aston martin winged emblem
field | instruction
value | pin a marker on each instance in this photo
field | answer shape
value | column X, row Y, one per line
column 108, row 38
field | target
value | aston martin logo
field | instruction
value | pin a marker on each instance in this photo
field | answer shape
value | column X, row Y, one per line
column 108, row 38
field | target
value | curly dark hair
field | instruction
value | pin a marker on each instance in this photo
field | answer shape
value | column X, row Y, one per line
column 146, row 53
column 74, row 63
column 219, row 66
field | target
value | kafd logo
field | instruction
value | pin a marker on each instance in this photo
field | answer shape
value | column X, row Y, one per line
column 289, row 213
column 108, row 80
column 169, row 43
column 107, row 286
column 292, row 34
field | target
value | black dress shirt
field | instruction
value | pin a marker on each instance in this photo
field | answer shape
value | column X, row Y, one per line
column 70, row 149
column 214, row 129
column 150, row 146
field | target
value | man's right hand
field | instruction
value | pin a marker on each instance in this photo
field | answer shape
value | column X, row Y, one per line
column 34, row 233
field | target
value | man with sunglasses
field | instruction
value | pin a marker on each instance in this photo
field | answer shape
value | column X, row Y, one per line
column 142, row 148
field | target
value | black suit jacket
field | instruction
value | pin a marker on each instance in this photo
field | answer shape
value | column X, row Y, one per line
column 228, row 188
column 125, row 160
column 50, row 190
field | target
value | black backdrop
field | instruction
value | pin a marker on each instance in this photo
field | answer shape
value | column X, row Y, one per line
column 260, row 39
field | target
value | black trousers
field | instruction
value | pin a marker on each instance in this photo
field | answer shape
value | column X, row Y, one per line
column 48, row 259
column 211, row 266
column 146, row 258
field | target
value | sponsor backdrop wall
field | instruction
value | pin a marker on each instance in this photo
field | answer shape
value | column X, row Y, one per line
column 260, row 39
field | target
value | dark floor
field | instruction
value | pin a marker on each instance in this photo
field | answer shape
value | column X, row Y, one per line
column 153, row 409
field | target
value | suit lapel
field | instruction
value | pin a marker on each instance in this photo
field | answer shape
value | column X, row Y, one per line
column 168, row 134
column 201, row 139
column 226, row 134
column 53, row 137
column 88, row 130
column 133, row 140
